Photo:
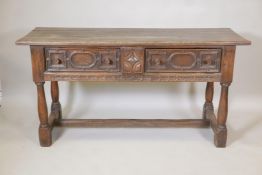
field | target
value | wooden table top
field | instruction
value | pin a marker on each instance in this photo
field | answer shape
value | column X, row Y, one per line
column 132, row 36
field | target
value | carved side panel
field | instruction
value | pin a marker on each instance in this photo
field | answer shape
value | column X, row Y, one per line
column 132, row 60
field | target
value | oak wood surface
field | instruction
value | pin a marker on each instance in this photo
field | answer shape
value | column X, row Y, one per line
column 55, row 106
column 45, row 136
column 132, row 36
column 208, row 106
column 133, row 123
column 146, row 77
column 183, row 60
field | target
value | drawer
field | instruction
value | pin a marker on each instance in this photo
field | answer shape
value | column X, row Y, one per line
column 82, row 59
column 183, row 60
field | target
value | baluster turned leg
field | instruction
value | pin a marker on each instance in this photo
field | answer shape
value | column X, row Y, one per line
column 56, row 106
column 208, row 106
column 45, row 136
column 221, row 130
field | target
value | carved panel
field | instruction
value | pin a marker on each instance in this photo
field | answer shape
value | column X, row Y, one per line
column 183, row 60
column 56, row 59
column 157, row 60
column 208, row 59
column 82, row 59
column 132, row 60
column 186, row 60
column 109, row 59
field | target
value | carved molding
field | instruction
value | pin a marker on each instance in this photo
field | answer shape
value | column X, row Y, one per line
column 183, row 60
column 73, row 59
column 132, row 60
column 82, row 59
column 56, row 59
column 109, row 59
column 209, row 59
column 215, row 77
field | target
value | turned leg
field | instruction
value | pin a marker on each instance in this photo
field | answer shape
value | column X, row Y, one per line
column 221, row 130
column 56, row 106
column 45, row 136
column 208, row 106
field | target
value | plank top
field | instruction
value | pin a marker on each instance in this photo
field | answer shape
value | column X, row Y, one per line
column 132, row 36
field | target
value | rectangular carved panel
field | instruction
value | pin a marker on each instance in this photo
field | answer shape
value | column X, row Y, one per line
column 82, row 59
column 56, row 59
column 132, row 60
column 183, row 60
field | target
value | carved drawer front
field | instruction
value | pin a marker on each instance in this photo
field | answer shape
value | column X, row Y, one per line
column 183, row 60
column 70, row 59
column 132, row 60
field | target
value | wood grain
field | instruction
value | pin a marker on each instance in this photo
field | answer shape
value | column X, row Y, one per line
column 45, row 136
column 133, row 123
column 133, row 55
column 38, row 63
column 146, row 77
column 55, row 106
column 132, row 36
column 183, row 60
column 208, row 106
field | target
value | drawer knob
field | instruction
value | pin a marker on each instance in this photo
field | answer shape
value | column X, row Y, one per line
column 158, row 62
column 108, row 61
column 58, row 61
column 207, row 60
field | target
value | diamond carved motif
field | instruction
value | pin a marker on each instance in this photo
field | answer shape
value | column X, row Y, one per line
column 132, row 60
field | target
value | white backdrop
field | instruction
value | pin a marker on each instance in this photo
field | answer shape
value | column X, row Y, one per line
column 19, row 17
column 150, row 100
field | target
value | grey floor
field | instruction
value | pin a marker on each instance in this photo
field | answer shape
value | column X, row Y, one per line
column 128, row 151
